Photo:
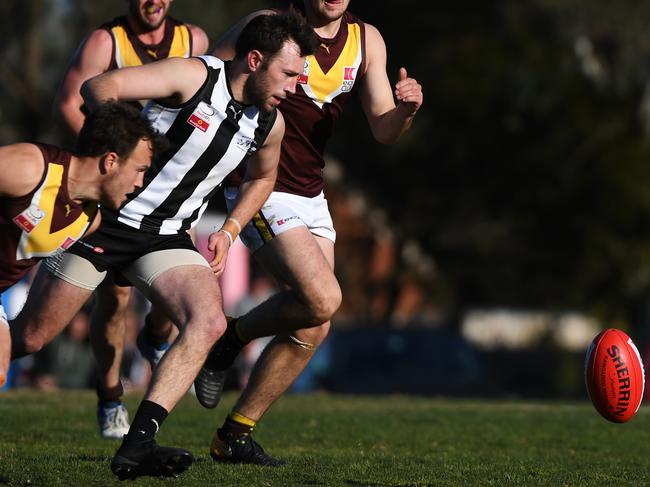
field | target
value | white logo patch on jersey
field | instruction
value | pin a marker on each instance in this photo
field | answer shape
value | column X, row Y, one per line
column 202, row 116
column 29, row 218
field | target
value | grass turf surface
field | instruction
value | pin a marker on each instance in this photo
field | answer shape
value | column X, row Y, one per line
column 51, row 439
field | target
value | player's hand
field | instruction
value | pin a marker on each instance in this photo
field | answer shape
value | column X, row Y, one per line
column 219, row 244
column 408, row 92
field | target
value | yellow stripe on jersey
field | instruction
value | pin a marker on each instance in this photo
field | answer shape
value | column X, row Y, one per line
column 262, row 227
column 40, row 242
column 323, row 88
column 181, row 42
column 125, row 54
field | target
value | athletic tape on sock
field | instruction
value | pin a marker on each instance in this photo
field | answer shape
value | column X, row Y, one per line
column 307, row 346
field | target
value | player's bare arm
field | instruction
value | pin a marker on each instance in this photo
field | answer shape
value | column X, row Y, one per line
column 387, row 120
column 174, row 80
column 261, row 172
column 21, row 169
column 225, row 46
column 200, row 42
column 93, row 57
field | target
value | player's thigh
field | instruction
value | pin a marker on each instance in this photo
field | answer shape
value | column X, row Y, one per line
column 301, row 260
column 327, row 247
column 180, row 282
column 51, row 304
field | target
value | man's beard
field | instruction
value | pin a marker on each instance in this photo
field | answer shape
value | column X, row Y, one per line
column 142, row 22
column 256, row 90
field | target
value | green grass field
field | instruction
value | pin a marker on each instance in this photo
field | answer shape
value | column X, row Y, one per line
column 51, row 439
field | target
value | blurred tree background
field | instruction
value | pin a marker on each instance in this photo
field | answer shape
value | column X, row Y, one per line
column 525, row 178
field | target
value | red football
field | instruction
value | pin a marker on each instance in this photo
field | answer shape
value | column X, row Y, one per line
column 614, row 375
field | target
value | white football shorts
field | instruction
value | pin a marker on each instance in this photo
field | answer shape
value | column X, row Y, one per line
column 281, row 212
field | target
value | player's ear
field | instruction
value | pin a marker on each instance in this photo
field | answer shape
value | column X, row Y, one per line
column 108, row 162
column 254, row 60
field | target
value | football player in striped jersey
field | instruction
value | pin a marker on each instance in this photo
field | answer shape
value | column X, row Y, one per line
column 146, row 33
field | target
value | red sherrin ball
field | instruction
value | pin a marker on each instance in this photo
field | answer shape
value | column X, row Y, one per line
column 614, row 375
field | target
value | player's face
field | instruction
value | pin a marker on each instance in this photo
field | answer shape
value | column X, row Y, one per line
column 150, row 14
column 326, row 10
column 126, row 176
column 273, row 81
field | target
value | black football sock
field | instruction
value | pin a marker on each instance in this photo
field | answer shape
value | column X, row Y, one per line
column 109, row 394
column 236, row 425
column 153, row 334
column 146, row 423
column 225, row 351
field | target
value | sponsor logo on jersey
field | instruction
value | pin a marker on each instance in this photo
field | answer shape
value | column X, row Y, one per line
column 303, row 78
column 201, row 116
column 29, row 218
column 349, row 75
column 67, row 243
column 198, row 122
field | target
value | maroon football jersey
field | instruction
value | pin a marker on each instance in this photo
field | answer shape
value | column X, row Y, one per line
column 41, row 223
column 328, row 78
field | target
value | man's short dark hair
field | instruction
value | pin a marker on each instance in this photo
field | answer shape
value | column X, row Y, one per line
column 116, row 126
column 268, row 33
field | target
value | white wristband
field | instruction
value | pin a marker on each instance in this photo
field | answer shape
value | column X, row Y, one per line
column 236, row 222
column 227, row 234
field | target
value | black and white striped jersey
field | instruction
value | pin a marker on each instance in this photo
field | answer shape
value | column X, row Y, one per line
column 210, row 135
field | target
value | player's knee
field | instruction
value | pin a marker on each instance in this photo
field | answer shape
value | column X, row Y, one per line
column 208, row 329
column 324, row 303
column 217, row 328
column 28, row 344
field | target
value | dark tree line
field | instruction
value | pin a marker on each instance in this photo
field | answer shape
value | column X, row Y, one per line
column 526, row 176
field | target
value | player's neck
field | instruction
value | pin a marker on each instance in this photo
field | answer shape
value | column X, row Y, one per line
column 80, row 171
column 237, row 80
column 147, row 36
